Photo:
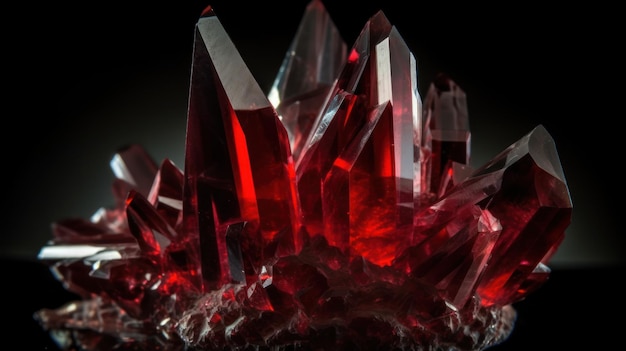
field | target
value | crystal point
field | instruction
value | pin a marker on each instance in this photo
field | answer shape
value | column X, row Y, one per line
column 134, row 165
column 342, row 215
column 366, row 197
column 446, row 130
column 307, row 74
column 238, row 164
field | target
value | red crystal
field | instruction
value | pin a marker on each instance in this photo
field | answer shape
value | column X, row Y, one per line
column 238, row 164
column 337, row 213
column 358, row 185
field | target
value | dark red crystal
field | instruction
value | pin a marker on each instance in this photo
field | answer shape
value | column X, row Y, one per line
column 336, row 213
column 238, row 164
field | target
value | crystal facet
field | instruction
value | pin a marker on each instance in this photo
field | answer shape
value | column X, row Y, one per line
column 238, row 164
column 337, row 212
column 307, row 74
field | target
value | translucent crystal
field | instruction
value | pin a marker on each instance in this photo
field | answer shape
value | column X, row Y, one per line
column 341, row 215
column 307, row 74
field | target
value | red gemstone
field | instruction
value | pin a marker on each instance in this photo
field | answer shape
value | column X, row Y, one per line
column 337, row 213
column 238, row 164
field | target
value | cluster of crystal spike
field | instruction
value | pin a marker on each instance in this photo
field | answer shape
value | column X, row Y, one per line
column 339, row 211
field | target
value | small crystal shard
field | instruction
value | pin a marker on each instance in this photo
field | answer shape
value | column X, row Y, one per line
column 344, row 214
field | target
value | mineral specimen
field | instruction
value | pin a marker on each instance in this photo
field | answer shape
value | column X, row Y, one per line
column 337, row 212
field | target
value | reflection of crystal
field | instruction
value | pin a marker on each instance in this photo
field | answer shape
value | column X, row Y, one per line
column 339, row 213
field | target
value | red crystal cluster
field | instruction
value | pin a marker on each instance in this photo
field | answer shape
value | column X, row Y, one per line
column 339, row 211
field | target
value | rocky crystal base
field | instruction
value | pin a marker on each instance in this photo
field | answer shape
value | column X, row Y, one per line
column 339, row 212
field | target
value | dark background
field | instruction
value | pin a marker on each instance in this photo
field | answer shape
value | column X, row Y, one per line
column 84, row 79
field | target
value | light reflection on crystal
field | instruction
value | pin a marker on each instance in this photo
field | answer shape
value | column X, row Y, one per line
column 343, row 215
column 307, row 74
column 56, row 252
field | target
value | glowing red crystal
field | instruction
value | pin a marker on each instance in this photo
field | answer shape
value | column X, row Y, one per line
column 238, row 164
column 343, row 214
column 356, row 175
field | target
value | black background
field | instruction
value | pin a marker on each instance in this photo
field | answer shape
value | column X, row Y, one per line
column 84, row 79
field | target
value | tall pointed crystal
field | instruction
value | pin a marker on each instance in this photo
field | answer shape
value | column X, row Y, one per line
column 446, row 133
column 238, row 164
column 307, row 74
column 380, row 70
